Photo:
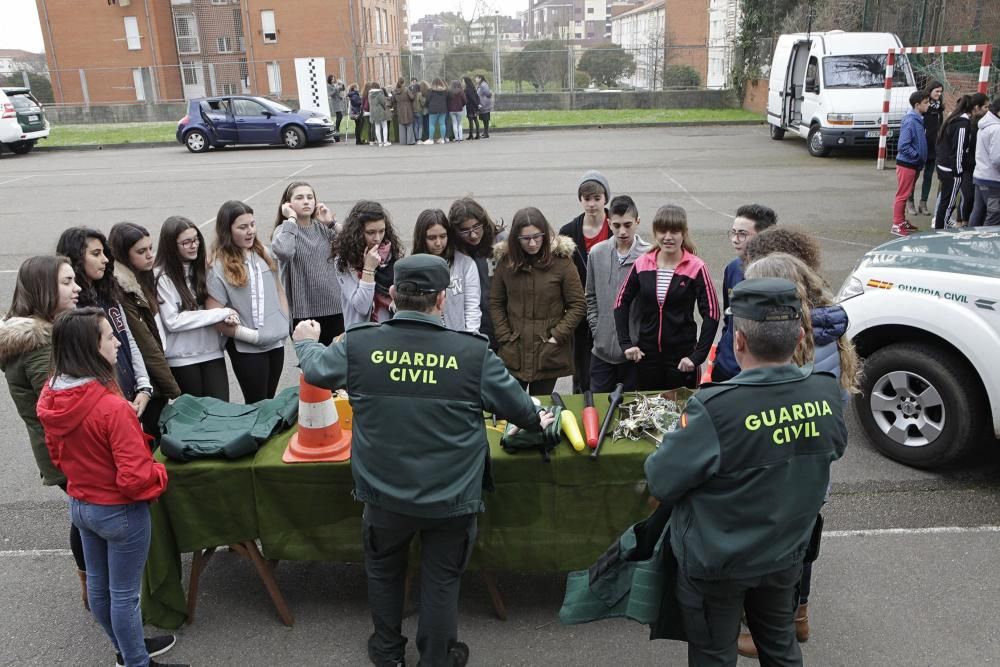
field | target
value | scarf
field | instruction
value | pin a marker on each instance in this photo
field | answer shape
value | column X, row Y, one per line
column 383, row 280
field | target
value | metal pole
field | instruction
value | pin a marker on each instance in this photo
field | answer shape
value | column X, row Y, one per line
column 83, row 88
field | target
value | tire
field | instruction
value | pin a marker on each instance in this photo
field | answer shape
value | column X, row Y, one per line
column 293, row 137
column 928, row 391
column 196, row 141
column 21, row 147
column 777, row 133
column 814, row 142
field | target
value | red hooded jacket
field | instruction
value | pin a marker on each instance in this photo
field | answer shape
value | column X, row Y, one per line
column 94, row 438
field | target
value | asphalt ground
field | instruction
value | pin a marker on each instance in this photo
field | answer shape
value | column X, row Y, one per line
column 907, row 574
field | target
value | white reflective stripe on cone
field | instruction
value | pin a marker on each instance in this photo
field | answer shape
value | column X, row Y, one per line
column 317, row 415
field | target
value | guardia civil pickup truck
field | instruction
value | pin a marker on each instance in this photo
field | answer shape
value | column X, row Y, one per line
column 925, row 316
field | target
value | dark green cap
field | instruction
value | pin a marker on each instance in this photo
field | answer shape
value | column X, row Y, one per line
column 765, row 300
column 421, row 274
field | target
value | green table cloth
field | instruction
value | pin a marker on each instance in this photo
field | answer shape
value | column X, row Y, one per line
column 543, row 517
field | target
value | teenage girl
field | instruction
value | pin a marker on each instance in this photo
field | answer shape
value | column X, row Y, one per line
column 303, row 231
column 669, row 281
column 244, row 278
column 94, row 438
column 536, row 301
column 132, row 249
column 956, row 159
column 87, row 250
column 192, row 345
column 45, row 287
column 474, row 234
column 365, row 252
column 433, row 235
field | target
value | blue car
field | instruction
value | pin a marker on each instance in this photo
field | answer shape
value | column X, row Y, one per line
column 242, row 119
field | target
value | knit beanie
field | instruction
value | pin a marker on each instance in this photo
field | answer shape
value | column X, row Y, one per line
column 597, row 177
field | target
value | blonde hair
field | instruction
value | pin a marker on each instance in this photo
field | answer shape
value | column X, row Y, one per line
column 813, row 293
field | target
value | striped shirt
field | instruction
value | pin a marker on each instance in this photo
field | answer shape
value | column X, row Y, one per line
column 308, row 274
column 663, row 278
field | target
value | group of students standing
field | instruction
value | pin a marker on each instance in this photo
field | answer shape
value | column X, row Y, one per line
column 420, row 111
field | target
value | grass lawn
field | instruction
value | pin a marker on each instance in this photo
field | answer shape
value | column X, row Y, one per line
column 129, row 133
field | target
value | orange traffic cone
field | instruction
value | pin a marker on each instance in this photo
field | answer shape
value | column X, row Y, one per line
column 706, row 377
column 319, row 437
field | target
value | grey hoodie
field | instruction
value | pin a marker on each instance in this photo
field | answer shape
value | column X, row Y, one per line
column 604, row 278
column 988, row 150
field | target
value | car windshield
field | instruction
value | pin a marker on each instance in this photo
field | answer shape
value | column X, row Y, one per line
column 23, row 102
column 863, row 71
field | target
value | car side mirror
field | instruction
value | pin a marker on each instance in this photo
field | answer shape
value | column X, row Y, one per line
column 267, row 114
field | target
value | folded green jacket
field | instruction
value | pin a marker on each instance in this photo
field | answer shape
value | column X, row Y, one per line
column 197, row 427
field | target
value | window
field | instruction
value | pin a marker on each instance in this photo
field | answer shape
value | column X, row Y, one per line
column 220, row 2
column 132, row 34
column 249, row 107
column 268, row 27
column 238, row 22
column 140, row 90
column 186, row 29
column 230, row 89
column 190, row 74
column 863, row 71
column 274, row 77
column 224, row 44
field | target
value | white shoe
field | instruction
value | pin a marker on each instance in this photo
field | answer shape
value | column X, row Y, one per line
column 387, row 144
column 440, row 141
column 428, row 142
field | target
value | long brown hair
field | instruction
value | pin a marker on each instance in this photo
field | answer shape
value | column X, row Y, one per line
column 516, row 258
column 76, row 337
column 36, row 292
column 349, row 245
column 171, row 264
column 673, row 218
column 463, row 209
column 225, row 250
column 427, row 219
column 122, row 237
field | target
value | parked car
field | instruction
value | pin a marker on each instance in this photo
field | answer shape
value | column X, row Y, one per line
column 925, row 316
column 226, row 121
column 829, row 88
column 22, row 120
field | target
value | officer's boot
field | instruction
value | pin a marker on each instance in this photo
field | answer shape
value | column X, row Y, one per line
column 745, row 646
column 802, row 623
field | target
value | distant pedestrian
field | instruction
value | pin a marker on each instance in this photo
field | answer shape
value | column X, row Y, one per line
column 485, row 104
column 378, row 107
column 357, row 112
column 437, row 107
column 335, row 91
column 404, row 98
column 911, row 154
column 456, row 107
column 472, row 107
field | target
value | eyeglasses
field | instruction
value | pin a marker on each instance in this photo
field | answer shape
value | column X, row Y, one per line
column 189, row 243
column 475, row 229
column 534, row 238
column 740, row 234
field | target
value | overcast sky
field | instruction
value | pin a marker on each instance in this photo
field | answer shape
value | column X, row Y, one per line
column 20, row 28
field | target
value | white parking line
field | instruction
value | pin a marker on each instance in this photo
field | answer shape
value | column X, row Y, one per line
column 872, row 532
column 15, row 180
column 263, row 190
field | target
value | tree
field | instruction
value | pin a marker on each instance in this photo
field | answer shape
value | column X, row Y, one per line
column 541, row 62
column 607, row 63
column 681, row 76
column 40, row 85
column 462, row 59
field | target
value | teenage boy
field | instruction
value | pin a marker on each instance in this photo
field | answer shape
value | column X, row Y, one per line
column 587, row 230
column 751, row 220
column 911, row 154
column 607, row 266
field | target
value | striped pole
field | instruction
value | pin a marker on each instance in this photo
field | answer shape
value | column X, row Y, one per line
column 984, row 69
column 883, row 135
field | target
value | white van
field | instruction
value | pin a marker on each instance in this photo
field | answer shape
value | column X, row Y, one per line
column 828, row 87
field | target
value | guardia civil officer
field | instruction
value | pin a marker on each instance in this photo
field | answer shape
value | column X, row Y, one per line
column 420, row 456
column 745, row 473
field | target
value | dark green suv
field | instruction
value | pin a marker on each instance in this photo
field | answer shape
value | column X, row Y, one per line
column 22, row 120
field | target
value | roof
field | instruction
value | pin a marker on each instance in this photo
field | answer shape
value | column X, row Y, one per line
column 648, row 7
column 20, row 54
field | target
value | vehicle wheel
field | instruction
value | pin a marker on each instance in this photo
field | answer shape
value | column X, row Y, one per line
column 293, row 137
column 815, row 142
column 777, row 133
column 918, row 406
column 196, row 141
column 21, row 147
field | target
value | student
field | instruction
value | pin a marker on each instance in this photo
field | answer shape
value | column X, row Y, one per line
column 304, row 229
column 456, row 106
column 364, row 253
column 357, row 115
column 911, row 154
column 536, row 302
column 45, row 287
column 244, row 277
column 751, row 220
column 419, row 111
column 669, row 282
column 790, row 240
column 87, row 250
column 132, row 250
column 956, row 159
column 378, row 107
column 437, row 109
column 475, row 234
column 607, row 265
column 587, row 230
column 932, row 127
column 94, row 438
column 403, row 101
column 335, row 91
column 485, row 103
column 471, row 106
column 432, row 235
column 986, row 176
column 191, row 344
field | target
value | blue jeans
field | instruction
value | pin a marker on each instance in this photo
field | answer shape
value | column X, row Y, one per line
column 115, row 546
column 987, row 208
column 437, row 120
column 456, row 124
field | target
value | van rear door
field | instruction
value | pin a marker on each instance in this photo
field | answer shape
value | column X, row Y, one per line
column 785, row 87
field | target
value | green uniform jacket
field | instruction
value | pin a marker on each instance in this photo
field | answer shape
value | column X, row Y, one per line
column 418, row 391
column 25, row 345
column 747, row 469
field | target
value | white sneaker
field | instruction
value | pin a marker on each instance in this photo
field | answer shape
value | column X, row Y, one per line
column 440, row 141
column 387, row 144
column 428, row 142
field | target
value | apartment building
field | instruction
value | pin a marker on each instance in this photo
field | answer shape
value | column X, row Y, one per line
column 640, row 32
column 575, row 21
column 129, row 51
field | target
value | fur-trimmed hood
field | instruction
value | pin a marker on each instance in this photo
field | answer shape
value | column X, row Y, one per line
column 562, row 246
column 20, row 335
column 129, row 283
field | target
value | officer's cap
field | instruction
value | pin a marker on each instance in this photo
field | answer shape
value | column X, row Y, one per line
column 421, row 274
column 765, row 300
